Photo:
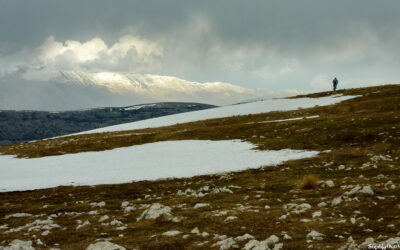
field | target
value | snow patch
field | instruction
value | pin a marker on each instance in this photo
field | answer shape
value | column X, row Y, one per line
column 226, row 111
column 174, row 159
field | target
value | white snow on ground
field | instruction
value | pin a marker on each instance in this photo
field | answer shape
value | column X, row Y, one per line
column 142, row 162
column 294, row 119
column 226, row 111
column 290, row 119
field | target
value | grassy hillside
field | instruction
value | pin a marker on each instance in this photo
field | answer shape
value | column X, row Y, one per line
column 360, row 139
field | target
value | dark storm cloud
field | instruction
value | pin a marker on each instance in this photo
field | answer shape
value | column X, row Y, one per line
column 286, row 23
column 256, row 44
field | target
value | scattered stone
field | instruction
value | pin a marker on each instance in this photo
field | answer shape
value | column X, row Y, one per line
column 390, row 185
column 297, row 208
column 104, row 245
column 124, row 204
column 244, row 237
column 104, row 218
column 336, row 201
column 269, row 243
column 226, row 244
column 17, row 215
column 86, row 223
column 199, row 205
column 129, row 209
column 229, row 218
column 195, row 231
column 314, row 235
column 172, row 233
column 93, row 212
column 37, row 225
column 45, row 233
column 19, row 245
column 316, row 214
column 116, row 223
column 350, row 245
column 155, row 211
column 98, row 204
column 287, row 237
column 205, row 234
column 219, row 213
column 326, row 184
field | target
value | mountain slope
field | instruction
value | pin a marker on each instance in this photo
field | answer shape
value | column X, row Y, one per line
column 355, row 201
column 21, row 126
column 169, row 88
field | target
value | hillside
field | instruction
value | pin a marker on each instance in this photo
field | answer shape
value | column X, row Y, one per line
column 346, row 196
column 21, row 126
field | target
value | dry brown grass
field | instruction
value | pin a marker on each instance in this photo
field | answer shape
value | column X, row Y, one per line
column 309, row 182
column 354, row 131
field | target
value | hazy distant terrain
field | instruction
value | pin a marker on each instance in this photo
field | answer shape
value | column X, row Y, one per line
column 21, row 126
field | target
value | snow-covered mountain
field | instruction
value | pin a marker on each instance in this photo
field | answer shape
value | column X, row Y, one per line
column 166, row 88
column 56, row 90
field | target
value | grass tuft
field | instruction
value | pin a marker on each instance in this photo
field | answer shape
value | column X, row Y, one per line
column 309, row 182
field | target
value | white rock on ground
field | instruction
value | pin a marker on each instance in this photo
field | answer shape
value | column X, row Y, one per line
column 195, row 231
column 351, row 244
column 366, row 190
column 287, row 237
column 336, row 201
column 155, row 211
column 316, row 214
column 124, row 204
column 17, row 215
column 244, row 237
column 86, row 223
column 172, row 233
column 104, row 218
column 230, row 218
column 104, row 245
column 325, row 184
column 199, row 205
column 37, row 225
column 269, row 243
column 98, row 204
column 314, row 235
column 19, row 245
column 297, row 208
column 116, row 223
column 226, row 244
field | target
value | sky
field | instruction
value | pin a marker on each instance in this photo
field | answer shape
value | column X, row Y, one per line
column 217, row 52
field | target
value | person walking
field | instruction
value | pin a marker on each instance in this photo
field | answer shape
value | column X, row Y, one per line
column 335, row 83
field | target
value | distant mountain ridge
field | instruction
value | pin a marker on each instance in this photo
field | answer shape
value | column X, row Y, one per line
column 22, row 126
column 168, row 88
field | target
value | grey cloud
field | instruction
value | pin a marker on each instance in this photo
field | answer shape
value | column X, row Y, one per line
column 21, row 94
column 249, row 43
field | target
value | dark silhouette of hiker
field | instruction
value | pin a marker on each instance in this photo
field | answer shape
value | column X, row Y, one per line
column 335, row 83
